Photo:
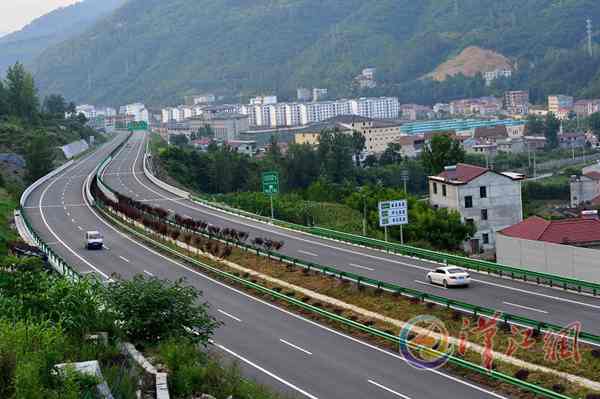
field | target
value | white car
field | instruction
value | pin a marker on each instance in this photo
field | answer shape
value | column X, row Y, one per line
column 94, row 240
column 449, row 276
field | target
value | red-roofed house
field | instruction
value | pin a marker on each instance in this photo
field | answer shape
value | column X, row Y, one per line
column 488, row 199
column 567, row 247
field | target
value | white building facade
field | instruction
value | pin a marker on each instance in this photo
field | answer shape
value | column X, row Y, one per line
column 489, row 200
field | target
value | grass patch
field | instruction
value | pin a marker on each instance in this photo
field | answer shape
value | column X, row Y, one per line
column 7, row 207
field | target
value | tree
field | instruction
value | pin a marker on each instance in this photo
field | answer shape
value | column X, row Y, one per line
column 535, row 126
column 594, row 123
column 39, row 156
column 151, row 310
column 3, row 100
column 179, row 140
column 391, row 155
column 358, row 145
column 551, row 128
column 441, row 152
column 22, row 94
column 55, row 105
column 335, row 155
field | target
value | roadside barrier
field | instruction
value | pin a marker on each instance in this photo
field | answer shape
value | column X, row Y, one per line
column 456, row 361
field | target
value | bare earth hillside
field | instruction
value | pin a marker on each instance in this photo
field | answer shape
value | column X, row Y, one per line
column 471, row 61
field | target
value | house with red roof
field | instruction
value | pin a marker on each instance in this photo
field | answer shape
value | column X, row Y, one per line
column 488, row 199
column 567, row 247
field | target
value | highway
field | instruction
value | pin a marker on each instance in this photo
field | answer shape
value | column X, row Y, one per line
column 274, row 346
column 542, row 303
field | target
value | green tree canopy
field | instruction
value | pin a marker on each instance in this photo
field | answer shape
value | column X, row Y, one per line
column 39, row 156
column 151, row 310
column 22, row 93
column 55, row 105
column 551, row 128
column 441, row 152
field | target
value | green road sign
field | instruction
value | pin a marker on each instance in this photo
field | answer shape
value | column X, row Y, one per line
column 270, row 183
column 133, row 126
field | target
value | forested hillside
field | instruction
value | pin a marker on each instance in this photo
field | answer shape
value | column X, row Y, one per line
column 28, row 43
column 160, row 50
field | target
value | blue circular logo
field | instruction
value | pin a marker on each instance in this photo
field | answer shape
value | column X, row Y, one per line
column 425, row 342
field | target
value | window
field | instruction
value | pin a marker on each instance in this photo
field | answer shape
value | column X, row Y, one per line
column 484, row 214
column 443, row 190
column 483, row 192
column 468, row 201
column 469, row 222
column 486, row 238
column 435, row 188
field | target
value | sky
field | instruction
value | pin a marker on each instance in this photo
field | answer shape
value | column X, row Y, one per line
column 14, row 14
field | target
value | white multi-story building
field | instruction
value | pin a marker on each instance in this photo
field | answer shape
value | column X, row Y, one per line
column 319, row 94
column 263, row 100
column 303, row 94
column 138, row 110
column 488, row 199
column 89, row 111
column 559, row 102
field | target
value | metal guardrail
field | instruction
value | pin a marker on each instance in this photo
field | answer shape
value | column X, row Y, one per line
column 334, row 317
column 551, row 280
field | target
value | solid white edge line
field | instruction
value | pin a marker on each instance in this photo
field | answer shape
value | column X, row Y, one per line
column 229, row 315
column 43, row 216
column 296, row 316
column 203, row 209
column 525, row 307
column 265, row 371
column 388, row 389
column 361, row 267
column 431, row 285
column 295, row 346
column 148, row 273
column 124, row 259
column 307, row 253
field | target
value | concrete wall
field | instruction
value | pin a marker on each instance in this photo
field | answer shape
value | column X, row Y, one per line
column 503, row 203
column 583, row 189
column 545, row 257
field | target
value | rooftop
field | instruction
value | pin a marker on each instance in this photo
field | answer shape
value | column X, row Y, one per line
column 465, row 173
column 456, row 124
column 579, row 231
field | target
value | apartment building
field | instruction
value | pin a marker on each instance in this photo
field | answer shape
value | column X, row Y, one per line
column 138, row 110
column 488, row 199
column 517, row 102
column 559, row 102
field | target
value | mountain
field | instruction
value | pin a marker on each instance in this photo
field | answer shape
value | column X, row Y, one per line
column 159, row 50
column 28, row 43
column 470, row 62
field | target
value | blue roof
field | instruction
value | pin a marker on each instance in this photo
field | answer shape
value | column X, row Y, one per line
column 455, row 124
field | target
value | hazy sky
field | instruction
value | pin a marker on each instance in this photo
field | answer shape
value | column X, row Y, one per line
column 14, row 14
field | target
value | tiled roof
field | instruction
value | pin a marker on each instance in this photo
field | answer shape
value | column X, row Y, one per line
column 593, row 175
column 463, row 173
column 567, row 231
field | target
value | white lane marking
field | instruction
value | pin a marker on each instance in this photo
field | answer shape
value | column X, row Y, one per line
column 525, row 307
column 431, row 285
column 148, row 273
column 43, row 216
column 229, row 315
column 270, row 374
column 73, row 220
column 293, row 315
column 295, row 347
column 541, row 295
column 388, row 389
column 307, row 253
column 203, row 209
column 79, row 227
column 124, row 259
column 361, row 267
column 106, row 247
column 68, row 213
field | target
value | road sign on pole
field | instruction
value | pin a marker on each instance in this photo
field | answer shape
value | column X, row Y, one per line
column 270, row 186
column 393, row 213
column 270, row 183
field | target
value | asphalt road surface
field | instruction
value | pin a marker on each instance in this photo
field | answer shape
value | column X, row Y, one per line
column 547, row 304
column 275, row 347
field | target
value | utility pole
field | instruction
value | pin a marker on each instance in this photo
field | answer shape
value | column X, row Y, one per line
column 589, row 36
